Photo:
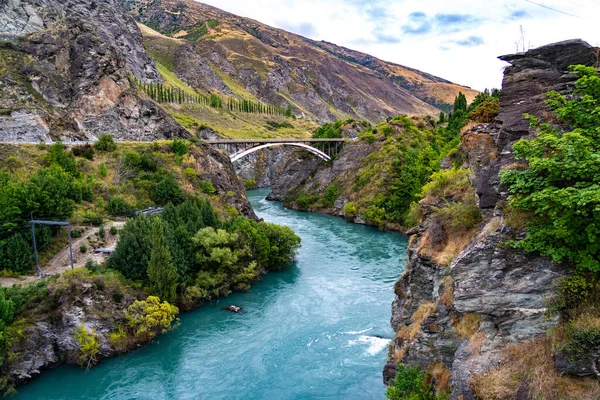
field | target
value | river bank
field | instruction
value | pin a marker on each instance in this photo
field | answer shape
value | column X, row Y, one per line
column 318, row 329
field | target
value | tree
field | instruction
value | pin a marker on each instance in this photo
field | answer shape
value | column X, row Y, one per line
column 169, row 190
column 106, row 143
column 132, row 254
column 19, row 255
column 161, row 271
column 560, row 186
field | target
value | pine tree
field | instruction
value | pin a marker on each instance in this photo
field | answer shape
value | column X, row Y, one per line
column 162, row 273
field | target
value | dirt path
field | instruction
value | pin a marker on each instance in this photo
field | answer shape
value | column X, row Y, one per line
column 61, row 262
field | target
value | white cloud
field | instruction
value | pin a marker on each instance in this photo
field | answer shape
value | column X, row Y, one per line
column 459, row 40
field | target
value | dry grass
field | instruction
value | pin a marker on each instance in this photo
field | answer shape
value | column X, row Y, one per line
column 468, row 126
column 468, row 326
column 408, row 333
column 447, row 296
column 531, row 365
column 441, row 377
column 452, row 247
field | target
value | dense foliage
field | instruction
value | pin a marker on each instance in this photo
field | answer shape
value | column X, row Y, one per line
column 187, row 250
column 410, row 384
column 560, row 182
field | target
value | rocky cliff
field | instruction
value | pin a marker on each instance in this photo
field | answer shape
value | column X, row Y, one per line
column 64, row 70
column 456, row 319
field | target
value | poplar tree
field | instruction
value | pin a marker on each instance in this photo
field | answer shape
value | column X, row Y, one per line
column 162, row 272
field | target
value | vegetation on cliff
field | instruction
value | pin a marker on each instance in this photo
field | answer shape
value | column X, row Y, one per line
column 402, row 155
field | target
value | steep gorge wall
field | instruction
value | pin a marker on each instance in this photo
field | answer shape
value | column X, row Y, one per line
column 461, row 317
column 64, row 74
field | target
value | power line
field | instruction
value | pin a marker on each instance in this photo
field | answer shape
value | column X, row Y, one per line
column 553, row 9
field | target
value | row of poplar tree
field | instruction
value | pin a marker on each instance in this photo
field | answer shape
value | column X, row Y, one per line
column 166, row 94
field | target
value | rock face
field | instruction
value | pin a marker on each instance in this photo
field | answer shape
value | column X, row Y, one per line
column 266, row 166
column 499, row 294
column 68, row 74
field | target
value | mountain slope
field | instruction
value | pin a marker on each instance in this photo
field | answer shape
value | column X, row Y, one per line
column 224, row 53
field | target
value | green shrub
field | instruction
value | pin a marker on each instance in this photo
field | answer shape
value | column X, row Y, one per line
column 249, row 183
column 305, row 201
column 113, row 230
column 148, row 318
column 168, row 190
column 179, row 147
column 91, row 265
column 350, row 211
column 18, row 255
column 190, row 174
column 374, row 215
column 119, row 207
column 414, row 215
column 89, row 347
column 448, row 183
column 367, row 136
column 560, row 188
column 102, row 170
column 13, row 163
column 83, row 249
column 207, row 187
column 85, row 151
column 410, row 384
column 331, row 195
column 119, row 340
column 106, row 143
column 459, row 216
column 102, row 232
column 93, row 218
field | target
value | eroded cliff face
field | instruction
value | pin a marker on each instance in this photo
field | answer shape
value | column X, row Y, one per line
column 64, row 74
column 459, row 318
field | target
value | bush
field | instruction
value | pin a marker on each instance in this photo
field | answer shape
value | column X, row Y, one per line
column 83, row 249
column 410, row 384
column 93, row 218
column 331, row 195
column 113, row 230
column 85, row 151
column 350, row 211
column 367, row 136
column 119, row 340
column 148, row 318
column 448, row 183
column 168, row 190
column 91, row 266
column 102, row 232
column 106, row 143
column 89, row 347
column 459, row 216
column 374, row 215
column 18, row 255
column 179, row 147
column 249, row 183
column 119, row 207
column 560, row 187
column 207, row 187
column 102, row 170
column 304, row 201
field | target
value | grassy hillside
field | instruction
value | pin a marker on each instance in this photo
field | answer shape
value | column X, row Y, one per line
column 220, row 52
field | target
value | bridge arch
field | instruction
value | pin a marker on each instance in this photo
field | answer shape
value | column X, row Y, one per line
column 311, row 149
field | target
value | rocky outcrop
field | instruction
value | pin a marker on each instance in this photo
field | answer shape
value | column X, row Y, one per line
column 265, row 167
column 69, row 70
column 490, row 296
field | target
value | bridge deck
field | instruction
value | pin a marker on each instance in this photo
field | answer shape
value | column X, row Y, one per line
column 261, row 141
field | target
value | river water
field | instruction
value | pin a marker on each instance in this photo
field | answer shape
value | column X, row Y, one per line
column 317, row 331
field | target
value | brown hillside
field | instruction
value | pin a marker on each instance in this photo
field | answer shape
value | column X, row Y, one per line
column 212, row 50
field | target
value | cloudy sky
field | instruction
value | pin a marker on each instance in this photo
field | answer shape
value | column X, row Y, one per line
column 458, row 40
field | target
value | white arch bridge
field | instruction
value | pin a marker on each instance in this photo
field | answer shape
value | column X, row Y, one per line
column 240, row 148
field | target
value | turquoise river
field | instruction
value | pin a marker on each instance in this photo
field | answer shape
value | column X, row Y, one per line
column 317, row 331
